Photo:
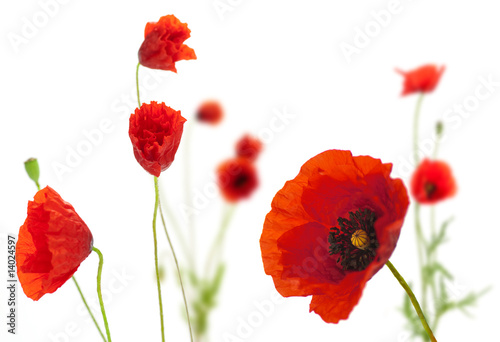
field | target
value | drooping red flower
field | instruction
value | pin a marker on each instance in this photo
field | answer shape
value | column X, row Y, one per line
column 237, row 179
column 432, row 182
column 331, row 229
column 248, row 147
column 163, row 44
column 155, row 131
column 421, row 80
column 52, row 243
column 210, row 112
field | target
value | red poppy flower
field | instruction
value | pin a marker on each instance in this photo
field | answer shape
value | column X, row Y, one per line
column 421, row 80
column 237, row 179
column 155, row 131
column 52, row 243
column 331, row 229
column 210, row 112
column 432, row 182
column 163, row 44
column 248, row 147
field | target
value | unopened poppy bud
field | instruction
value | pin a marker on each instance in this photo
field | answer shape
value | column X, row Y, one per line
column 439, row 128
column 31, row 166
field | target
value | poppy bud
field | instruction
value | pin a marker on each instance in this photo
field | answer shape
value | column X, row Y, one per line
column 33, row 170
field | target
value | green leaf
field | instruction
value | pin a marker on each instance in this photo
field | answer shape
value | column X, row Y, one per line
column 440, row 238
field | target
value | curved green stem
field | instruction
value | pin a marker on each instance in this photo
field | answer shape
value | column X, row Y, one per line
column 88, row 308
column 415, row 127
column 187, row 188
column 178, row 231
column 219, row 239
column 421, row 247
column 99, row 293
column 178, row 271
column 137, row 84
column 157, row 197
column 413, row 300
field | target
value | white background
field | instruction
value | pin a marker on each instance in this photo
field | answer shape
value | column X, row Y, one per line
column 258, row 58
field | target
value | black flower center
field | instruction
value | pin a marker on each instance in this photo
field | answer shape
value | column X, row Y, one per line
column 355, row 240
column 429, row 189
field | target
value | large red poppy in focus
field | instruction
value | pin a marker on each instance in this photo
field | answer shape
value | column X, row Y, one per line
column 432, row 182
column 421, row 80
column 163, row 44
column 331, row 229
column 52, row 243
column 155, row 131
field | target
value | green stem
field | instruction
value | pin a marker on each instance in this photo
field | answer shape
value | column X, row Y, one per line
column 176, row 226
column 415, row 127
column 157, row 198
column 219, row 239
column 38, row 186
column 137, row 84
column 413, row 300
column 187, row 188
column 421, row 247
column 88, row 308
column 178, row 271
column 99, row 293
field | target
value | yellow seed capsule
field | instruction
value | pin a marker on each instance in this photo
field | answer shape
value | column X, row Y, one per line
column 360, row 239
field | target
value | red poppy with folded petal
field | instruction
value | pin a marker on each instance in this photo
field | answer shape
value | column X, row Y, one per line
column 248, row 147
column 52, row 243
column 163, row 44
column 421, row 80
column 210, row 112
column 155, row 131
column 432, row 182
column 331, row 229
column 237, row 179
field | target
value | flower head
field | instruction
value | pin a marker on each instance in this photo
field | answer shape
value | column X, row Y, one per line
column 331, row 229
column 432, row 182
column 237, row 179
column 155, row 131
column 421, row 80
column 163, row 44
column 52, row 243
column 248, row 147
column 210, row 112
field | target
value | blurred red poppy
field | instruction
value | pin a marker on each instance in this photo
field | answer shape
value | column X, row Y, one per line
column 237, row 179
column 331, row 229
column 248, row 147
column 210, row 112
column 432, row 182
column 52, row 243
column 421, row 80
column 163, row 44
column 155, row 131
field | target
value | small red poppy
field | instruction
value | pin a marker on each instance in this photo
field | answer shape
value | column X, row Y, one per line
column 421, row 80
column 52, row 243
column 163, row 44
column 432, row 182
column 331, row 229
column 155, row 131
column 210, row 112
column 248, row 147
column 237, row 179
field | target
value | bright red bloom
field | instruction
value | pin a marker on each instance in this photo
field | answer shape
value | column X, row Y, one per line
column 237, row 179
column 248, row 147
column 303, row 248
column 421, row 80
column 155, row 131
column 163, row 44
column 432, row 182
column 210, row 112
column 52, row 243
